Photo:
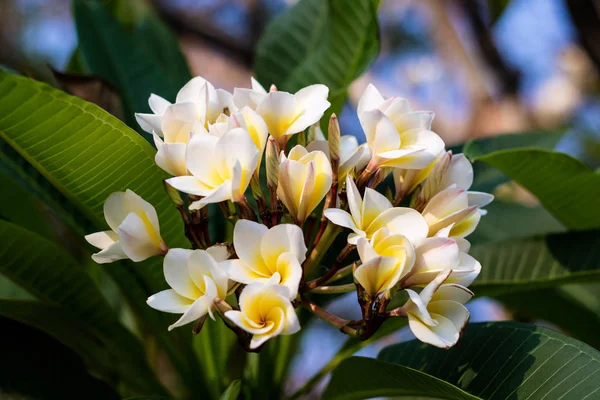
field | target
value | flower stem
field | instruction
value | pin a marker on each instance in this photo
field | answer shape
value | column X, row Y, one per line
column 318, row 252
column 350, row 287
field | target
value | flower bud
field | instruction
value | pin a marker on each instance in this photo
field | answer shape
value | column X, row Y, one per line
column 272, row 160
column 304, row 180
column 334, row 142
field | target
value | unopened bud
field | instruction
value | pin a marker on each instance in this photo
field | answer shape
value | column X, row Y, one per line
column 433, row 182
column 272, row 161
column 273, row 88
column 173, row 194
column 334, row 141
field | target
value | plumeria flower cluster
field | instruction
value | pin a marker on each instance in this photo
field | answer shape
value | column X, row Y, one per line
column 219, row 147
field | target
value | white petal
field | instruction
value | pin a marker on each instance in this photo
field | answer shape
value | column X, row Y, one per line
column 340, row 218
column 190, row 185
column 370, row 100
column 171, row 157
column 479, row 199
column 365, row 250
column 149, row 122
column 112, row 253
column 416, row 307
column 426, row 335
column 309, row 95
column 381, row 133
column 290, row 271
column 284, row 238
column 404, row 221
column 198, row 309
column 217, row 195
column 247, row 236
column 278, row 109
column 454, row 292
column 241, row 272
column 320, row 145
column 374, row 203
column 429, row 290
column 157, row 104
column 200, row 157
column 219, row 252
column 115, row 210
column 411, row 120
column 137, row 241
column 102, row 240
column 203, row 268
column 169, row 301
column 355, row 202
column 177, row 275
column 460, row 172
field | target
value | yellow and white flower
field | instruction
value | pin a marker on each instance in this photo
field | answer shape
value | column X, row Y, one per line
column 352, row 155
column 245, row 97
column 373, row 212
column 178, row 125
column 397, row 136
column 265, row 312
column 199, row 95
column 438, row 254
column 267, row 255
column 455, row 208
column 287, row 114
column 221, row 167
column 386, row 258
column 196, row 281
column 135, row 231
column 304, row 180
column 437, row 315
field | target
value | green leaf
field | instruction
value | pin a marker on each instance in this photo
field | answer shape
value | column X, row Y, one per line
column 86, row 154
column 52, row 276
column 362, row 378
column 575, row 309
column 133, row 50
column 508, row 360
column 319, row 41
column 565, row 186
column 233, row 390
column 36, row 366
column 550, row 261
column 510, row 221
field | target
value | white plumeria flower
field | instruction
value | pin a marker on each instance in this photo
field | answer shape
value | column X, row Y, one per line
column 304, row 180
column 178, row 124
column 267, row 255
column 221, row 167
column 437, row 315
column 457, row 207
column 407, row 180
column 352, row 155
column 244, row 97
column 386, row 258
column 438, row 254
column 265, row 312
column 135, row 231
column 252, row 123
column 397, row 136
column 287, row 114
column 374, row 212
column 199, row 94
column 196, row 281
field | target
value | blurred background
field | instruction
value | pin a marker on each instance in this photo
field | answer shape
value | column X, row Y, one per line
column 484, row 67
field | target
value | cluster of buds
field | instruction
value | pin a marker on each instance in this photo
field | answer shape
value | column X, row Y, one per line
column 214, row 143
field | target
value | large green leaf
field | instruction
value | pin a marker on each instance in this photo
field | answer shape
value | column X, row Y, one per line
column 319, row 41
column 51, row 275
column 86, row 154
column 132, row 49
column 362, row 378
column 508, row 360
column 510, row 221
column 566, row 187
column 538, row 262
column 36, row 366
column 573, row 308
